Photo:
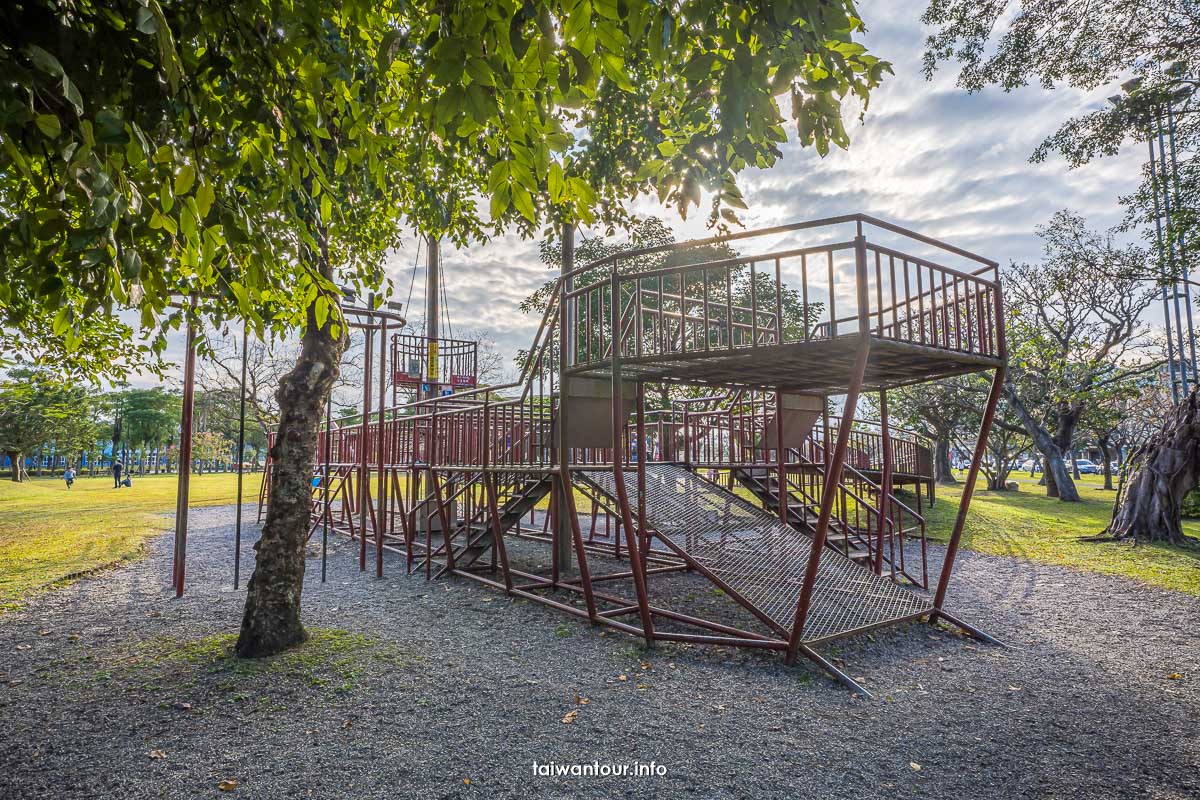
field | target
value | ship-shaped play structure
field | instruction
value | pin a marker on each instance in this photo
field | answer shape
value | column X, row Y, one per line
column 693, row 419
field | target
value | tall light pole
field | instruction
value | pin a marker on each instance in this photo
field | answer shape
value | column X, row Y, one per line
column 1154, row 110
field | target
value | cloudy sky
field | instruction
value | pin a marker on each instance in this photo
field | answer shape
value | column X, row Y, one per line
column 928, row 156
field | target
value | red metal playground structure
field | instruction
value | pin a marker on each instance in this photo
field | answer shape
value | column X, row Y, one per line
column 746, row 480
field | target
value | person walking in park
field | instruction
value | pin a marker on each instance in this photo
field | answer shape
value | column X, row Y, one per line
column 69, row 476
column 117, row 469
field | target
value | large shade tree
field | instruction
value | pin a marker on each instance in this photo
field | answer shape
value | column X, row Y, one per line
column 245, row 158
column 1076, row 336
column 1145, row 50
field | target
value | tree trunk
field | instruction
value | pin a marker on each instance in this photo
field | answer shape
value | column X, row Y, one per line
column 942, row 471
column 1107, row 456
column 1165, row 470
column 1058, row 480
column 271, row 622
column 14, row 456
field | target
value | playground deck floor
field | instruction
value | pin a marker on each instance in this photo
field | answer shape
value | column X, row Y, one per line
column 109, row 687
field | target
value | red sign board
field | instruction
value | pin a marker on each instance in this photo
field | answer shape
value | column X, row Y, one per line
column 460, row 381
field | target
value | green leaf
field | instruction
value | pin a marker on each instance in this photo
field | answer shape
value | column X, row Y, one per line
column 44, row 61
column 326, row 208
column 321, row 310
column 523, row 202
column 185, row 179
column 500, row 201
column 582, row 191
column 49, row 125
column 556, row 183
column 204, row 199
column 146, row 21
column 72, row 95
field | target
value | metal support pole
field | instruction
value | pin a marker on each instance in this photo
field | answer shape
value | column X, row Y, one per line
column 325, row 476
column 364, row 464
column 564, row 529
column 885, row 481
column 832, row 480
column 1172, row 363
column 237, row 529
column 1184, row 271
column 424, row 513
column 618, row 428
column 781, row 459
column 964, row 504
column 643, row 532
column 1168, row 206
column 381, row 492
column 185, row 455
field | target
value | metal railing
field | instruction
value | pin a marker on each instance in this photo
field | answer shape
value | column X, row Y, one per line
column 785, row 296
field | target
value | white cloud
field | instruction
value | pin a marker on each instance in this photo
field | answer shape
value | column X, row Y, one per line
column 928, row 155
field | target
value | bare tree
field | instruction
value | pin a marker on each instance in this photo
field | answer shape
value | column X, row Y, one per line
column 1075, row 335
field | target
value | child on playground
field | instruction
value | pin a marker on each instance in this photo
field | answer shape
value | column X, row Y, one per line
column 69, row 476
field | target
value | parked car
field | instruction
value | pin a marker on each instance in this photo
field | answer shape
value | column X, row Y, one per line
column 1087, row 467
column 1030, row 465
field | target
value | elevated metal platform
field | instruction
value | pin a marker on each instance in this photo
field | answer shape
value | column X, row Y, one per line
column 817, row 365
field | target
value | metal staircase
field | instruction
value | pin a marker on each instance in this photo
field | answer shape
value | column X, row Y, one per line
column 516, row 496
column 802, row 511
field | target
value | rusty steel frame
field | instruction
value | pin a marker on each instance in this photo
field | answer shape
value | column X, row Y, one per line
column 491, row 452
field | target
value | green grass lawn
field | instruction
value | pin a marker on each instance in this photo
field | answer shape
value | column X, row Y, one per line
column 1027, row 524
column 49, row 533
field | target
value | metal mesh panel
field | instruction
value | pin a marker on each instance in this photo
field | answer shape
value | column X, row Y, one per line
column 760, row 557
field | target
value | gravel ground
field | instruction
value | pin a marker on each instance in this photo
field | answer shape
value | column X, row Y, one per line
column 109, row 687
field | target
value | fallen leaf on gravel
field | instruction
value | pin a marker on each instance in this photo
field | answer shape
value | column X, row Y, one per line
column 643, row 686
column 915, row 765
column 570, row 717
column 346, row 724
column 467, row 781
column 43, row 633
column 157, row 754
column 1014, row 688
column 622, row 677
column 227, row 785
column 74, row 637
column 645, row 665
column 181, row 706
column 24, row 646
column 1174, row 676
column 580, row 700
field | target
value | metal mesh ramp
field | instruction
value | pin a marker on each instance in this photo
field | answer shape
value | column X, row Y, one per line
column 760, row 557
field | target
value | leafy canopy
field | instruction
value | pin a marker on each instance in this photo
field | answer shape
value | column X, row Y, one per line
column 255, row 154
column 1148, row 47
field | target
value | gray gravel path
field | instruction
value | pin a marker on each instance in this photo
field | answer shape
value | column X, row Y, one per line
column 458, row 683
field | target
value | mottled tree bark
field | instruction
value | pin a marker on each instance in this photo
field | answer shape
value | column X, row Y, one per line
column 942, row 471
column 271, row 622
column 1058, row 479
column 1166, row 468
